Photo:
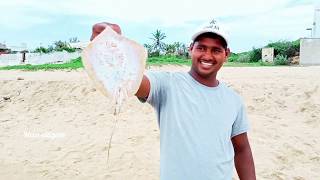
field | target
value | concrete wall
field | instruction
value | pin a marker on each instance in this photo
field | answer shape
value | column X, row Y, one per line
column 310, row 51
column 37, row 58
column 267, row 54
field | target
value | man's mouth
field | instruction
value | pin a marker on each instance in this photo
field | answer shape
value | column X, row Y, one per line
column 206, row 63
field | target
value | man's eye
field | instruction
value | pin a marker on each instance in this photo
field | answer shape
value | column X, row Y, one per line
column 201, row 48
column 217, row 50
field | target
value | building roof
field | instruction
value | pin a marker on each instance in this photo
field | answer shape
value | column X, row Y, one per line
column 3, row 46
column 19, row 48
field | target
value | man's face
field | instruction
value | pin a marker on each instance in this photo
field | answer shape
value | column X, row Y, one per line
column 208, row 55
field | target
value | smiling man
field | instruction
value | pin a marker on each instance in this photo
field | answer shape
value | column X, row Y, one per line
column 203, row 123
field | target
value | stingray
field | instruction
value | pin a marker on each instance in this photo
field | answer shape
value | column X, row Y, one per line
column 116, row 65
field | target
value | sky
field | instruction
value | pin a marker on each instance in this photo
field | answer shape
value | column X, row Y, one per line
column 249, row 23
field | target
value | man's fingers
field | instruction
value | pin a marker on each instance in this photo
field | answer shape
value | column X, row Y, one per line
column 99, row 27
column 116, row 28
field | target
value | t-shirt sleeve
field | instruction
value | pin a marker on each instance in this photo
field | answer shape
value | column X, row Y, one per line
column 159, row 83
column 241, row 124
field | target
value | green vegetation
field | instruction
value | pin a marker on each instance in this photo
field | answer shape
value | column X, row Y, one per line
column 286, row 48
column 158, row 48
column 280, row 60
column 252, row 64
column 283, row 50
column 176, row 53
column 168, row 59
column 58, row 46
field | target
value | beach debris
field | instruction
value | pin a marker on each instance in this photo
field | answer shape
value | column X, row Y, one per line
column 6, row 98
column 10, row 97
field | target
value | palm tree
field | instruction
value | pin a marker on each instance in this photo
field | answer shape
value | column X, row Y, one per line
column 157, row 38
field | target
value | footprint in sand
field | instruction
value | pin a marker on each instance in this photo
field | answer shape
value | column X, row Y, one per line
column 308, row 94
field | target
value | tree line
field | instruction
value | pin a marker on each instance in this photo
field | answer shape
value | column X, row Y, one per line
column 155, row 49
column 158, row 47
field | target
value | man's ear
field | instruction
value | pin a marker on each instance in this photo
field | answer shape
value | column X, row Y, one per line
column 227, row 54
column 190, row 48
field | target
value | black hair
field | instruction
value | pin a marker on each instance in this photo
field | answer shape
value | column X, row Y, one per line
column 213, row 36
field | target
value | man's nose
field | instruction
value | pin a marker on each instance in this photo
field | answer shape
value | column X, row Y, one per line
column 208, row 55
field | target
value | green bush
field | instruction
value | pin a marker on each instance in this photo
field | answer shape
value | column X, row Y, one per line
column 255, row 55
column 244, row 58
column 285, row 48
column 168, row 59
column 154, row 54
column 63, row 46
column 41, row 50
column 233, row 57
column 68, row 49
column 280, row 60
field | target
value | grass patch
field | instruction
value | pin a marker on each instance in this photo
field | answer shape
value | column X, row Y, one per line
column 163, row 60
column 252, row 64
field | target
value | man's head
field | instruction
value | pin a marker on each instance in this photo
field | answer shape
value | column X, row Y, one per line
column 209, row 50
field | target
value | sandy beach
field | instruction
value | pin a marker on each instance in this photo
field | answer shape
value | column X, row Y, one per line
column 56, row 125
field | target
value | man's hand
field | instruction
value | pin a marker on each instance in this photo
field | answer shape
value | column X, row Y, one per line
column 99, row 27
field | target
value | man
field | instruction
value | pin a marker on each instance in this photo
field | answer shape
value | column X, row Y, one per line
column 202, row 122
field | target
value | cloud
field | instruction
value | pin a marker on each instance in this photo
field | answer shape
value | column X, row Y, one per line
column 19, row 15
column 288, row 23
column 250, row 22
column 167, row 12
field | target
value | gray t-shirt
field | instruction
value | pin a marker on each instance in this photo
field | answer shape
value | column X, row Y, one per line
column 196, row 124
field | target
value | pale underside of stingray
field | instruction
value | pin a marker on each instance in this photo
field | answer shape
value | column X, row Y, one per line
column 115, row 64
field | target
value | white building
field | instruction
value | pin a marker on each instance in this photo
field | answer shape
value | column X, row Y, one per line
column 310, row 47
column 22, row 48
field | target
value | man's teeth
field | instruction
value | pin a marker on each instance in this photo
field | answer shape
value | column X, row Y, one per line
column 206, row 63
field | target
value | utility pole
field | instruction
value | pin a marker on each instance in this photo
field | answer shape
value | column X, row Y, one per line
column 316, row 23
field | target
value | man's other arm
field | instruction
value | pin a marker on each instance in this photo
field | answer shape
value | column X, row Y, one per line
column 243, row 157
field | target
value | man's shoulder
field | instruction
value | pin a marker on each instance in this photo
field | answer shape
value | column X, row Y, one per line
column 231, row 92
column 166, row 74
